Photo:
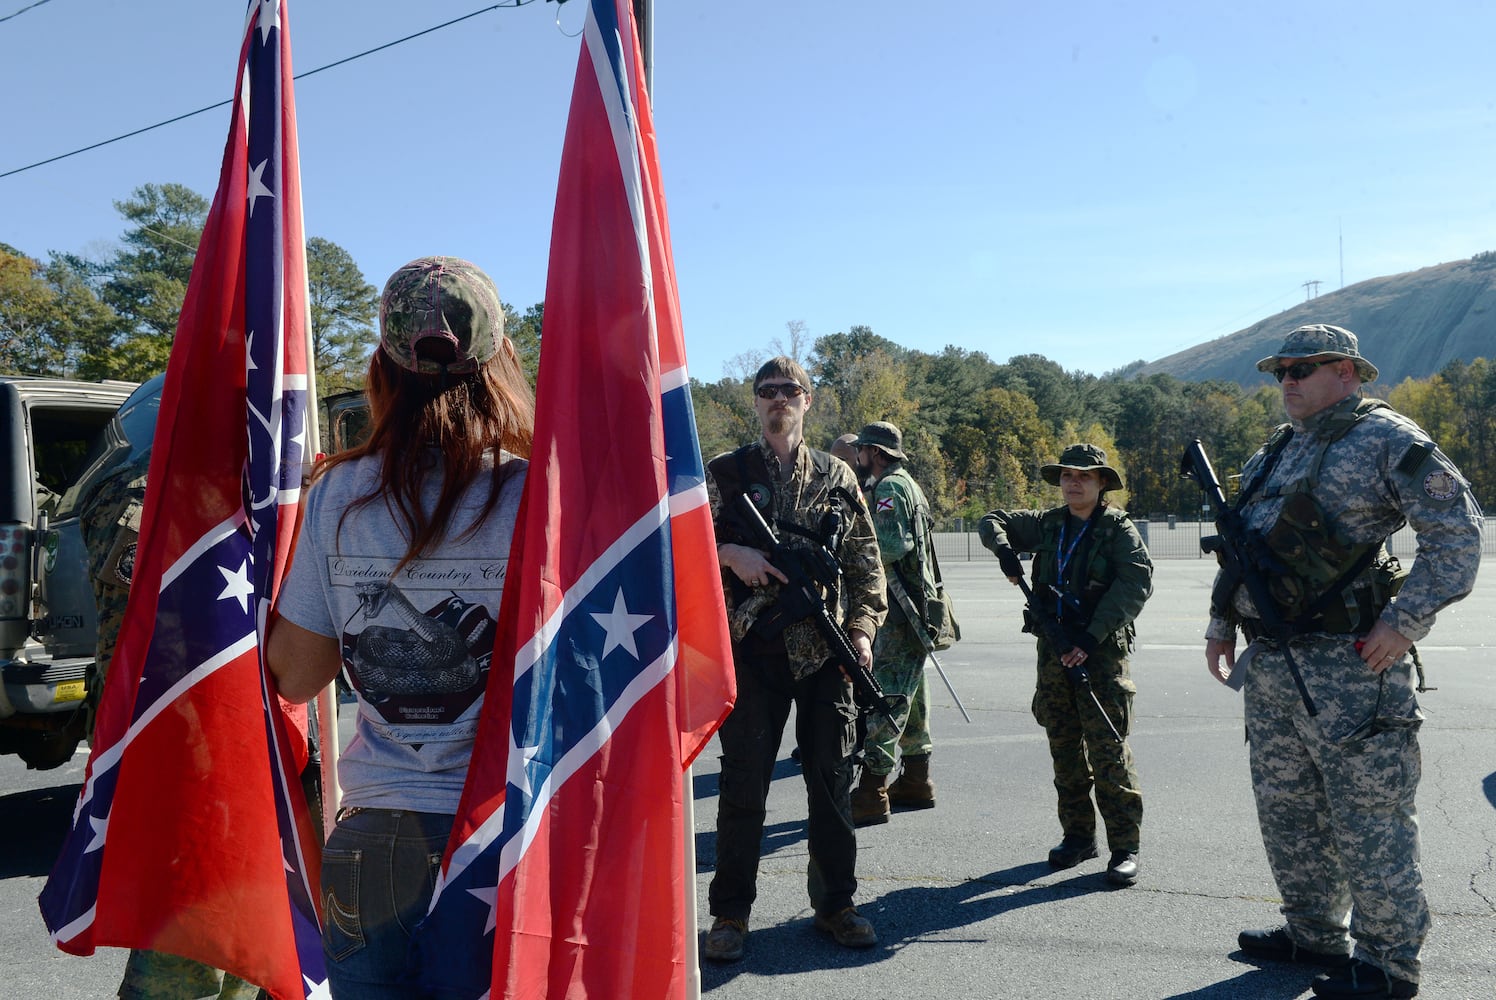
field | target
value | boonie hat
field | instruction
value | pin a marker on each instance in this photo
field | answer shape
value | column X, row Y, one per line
column 882, row 434
column 446, row 299
column 1086, row 458
column 1321, row 338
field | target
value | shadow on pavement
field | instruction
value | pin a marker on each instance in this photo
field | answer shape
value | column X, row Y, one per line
column 905, row 917
column 37, row 820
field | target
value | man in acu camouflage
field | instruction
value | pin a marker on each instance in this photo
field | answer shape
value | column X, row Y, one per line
column 799, row 491
column 1335, row 784
column 901, row 515
column 110, row 521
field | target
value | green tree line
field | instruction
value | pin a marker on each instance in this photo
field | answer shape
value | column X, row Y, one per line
column 976, row 430
column 75, row 317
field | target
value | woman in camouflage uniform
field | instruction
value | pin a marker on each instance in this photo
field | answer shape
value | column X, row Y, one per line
column 1091, row 575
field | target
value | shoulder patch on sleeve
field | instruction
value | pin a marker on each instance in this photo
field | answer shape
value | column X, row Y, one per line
column 1441, row 484
column 1425, row 469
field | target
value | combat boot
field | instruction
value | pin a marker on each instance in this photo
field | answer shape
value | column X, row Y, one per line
column 913, row 789
column 870, row 800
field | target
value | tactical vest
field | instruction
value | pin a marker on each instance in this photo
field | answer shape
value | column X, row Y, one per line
column 1095, row 571
column 745, row 472
column 1318, row 577
column 737, row 472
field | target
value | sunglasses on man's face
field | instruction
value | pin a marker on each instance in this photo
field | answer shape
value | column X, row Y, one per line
column 789, row 390
column 1302, row 369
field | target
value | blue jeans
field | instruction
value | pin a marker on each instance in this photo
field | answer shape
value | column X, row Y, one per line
column 378, row 872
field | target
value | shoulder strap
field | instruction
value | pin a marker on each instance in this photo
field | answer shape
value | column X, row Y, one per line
column 1281, row 435
column 1337, row 426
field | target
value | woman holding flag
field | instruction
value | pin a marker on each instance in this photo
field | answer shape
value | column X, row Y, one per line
column 398, row 573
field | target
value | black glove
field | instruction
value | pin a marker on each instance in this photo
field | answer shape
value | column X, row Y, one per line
column 1008, row 560
column 1082, row 640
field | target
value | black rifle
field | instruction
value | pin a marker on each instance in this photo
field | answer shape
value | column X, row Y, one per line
column 1050, row 630
column 1242, row 554
column 810, row 571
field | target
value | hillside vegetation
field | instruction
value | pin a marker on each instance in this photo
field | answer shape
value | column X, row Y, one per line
column 1410, row 325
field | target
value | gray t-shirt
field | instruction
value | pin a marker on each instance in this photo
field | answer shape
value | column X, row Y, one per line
column 416, row 644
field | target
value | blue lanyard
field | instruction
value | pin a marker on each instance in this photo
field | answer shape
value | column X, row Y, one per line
column 1064, row 557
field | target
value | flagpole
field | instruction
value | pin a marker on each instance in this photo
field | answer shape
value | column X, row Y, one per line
column 327, row 698
column 644, row 26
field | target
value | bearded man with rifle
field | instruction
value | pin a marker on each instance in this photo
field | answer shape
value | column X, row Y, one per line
column 782, row 659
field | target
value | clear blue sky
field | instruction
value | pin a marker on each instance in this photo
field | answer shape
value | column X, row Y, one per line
column 1097, row 182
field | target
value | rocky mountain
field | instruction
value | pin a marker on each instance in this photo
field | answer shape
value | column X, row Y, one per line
column 1410, row 325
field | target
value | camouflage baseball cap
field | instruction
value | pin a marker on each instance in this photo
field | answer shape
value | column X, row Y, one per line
column 446, row 299
column 1320, row 338
column 884, row 435
column 1087, row 458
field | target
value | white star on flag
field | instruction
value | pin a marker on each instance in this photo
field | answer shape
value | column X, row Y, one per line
column 100, row 830
column 489, row 896
column 237, row 585
column 620, row 627
column 268, row 17
column 257, row 188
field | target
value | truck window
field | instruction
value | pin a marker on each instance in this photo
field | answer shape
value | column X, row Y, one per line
column 60, row 440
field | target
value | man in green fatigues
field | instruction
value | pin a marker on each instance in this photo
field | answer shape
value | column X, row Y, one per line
column 110, row 521
column 901, row 515
column 1092, row 575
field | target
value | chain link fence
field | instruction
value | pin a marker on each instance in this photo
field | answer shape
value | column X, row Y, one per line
column 1167, row 538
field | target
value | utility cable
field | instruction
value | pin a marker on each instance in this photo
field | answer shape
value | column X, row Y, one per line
column 220, row 104
column 23, row 10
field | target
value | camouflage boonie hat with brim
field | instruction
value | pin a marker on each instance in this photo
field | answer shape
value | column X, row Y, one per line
column 1086, row 458
column 1321, row 339
column 884, row 435
column 446, row 299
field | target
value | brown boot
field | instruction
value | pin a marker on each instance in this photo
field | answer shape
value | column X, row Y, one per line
column 913, row 789
column 870, row 800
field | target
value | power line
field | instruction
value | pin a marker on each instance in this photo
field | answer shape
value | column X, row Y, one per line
column 23, row 10
column 220, row 104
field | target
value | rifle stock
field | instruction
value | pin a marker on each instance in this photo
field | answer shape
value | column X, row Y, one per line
column 801, row 600
column 1234, row 547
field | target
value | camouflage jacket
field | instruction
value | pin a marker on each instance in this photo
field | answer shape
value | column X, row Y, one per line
column 901, row 516
column 110, row 523
column 1383, row 472
column 1113, row 574
column 800, row 495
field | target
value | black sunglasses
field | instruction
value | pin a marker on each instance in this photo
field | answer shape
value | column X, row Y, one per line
column 1302, row 370
column 789, row 390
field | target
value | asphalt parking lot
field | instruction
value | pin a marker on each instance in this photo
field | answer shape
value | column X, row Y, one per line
column 961, row 896
column 966, row 906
